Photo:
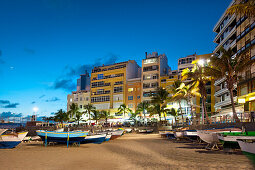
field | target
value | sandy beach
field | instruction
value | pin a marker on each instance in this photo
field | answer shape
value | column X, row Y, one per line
column 136, row 151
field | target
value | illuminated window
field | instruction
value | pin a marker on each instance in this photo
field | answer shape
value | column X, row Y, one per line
column 130, row 89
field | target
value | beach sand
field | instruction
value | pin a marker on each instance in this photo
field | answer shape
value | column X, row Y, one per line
column 131, row 151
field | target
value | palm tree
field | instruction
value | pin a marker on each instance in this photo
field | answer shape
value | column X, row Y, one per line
column 106, row 115
column 243, row 8
column 61, row 116
column 78, row 117
column 123, row 109
column 188, row 92
column 174, row 113
column 159, row 96
column 155, row 109
column 198, row 79
column 95, row 115
column 142, row 107
column 134, row 115
column 89, row 108
column 73, row 109
column 176, row 95
column 229, row 67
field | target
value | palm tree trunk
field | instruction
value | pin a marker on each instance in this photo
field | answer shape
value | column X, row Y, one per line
column 181, row 112
column 89, row 117
column 233, row 105
column 205, row 111
column 145, row 122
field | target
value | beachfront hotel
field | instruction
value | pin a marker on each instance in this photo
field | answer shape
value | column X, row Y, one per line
column 108, row 85
column 245, row 41
column 226, row 34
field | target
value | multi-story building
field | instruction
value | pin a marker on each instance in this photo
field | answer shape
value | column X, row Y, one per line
column 133, row 93
column 185, row 62
column 108, row 84
column 226, row 32
column 83, row 83
column 153, row 67
column 245, row 46
column 80, row 98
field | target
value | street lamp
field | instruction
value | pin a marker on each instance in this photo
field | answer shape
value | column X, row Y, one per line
column 35, row 109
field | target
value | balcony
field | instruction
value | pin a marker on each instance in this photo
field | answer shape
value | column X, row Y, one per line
column 224, row 28
column 219, row 81
column 240, row 21
column 220, row 92
column 246, row 78
column 246, row 31
column 248, row 45
column 224, row 103
column 230, row 33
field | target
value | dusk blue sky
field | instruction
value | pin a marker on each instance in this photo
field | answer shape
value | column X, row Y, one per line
column 46, row 44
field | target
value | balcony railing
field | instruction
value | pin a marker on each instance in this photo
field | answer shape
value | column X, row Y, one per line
column 246, row 31
column 220, row 92
column 248, row 45
column 225, row 102
column 241, row 20
column 246, row 78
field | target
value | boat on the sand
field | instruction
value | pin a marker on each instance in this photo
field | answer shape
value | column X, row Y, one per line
column 229, row 139
column 248, row 148
column 62, row 137
column 97, row 139
column 115, row 134
column 8, row 141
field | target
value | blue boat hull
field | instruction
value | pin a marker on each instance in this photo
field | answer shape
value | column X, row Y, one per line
column 63, row 140
column 9, row 144
column 94, row 140
column 107, row 139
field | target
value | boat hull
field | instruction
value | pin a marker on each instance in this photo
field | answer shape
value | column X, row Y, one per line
column 248, row 148
column 108, row 137
column 62, row 137
column 178, row 134
column 97, row 139
column 8, row 144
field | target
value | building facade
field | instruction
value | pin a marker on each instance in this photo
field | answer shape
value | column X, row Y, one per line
column 226, row 36
column 246, row 84
column 108, row 84
column 153, row 67
column 133, row 93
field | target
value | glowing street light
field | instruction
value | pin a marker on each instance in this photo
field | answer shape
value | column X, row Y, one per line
column 35, row 109
column 201, row 62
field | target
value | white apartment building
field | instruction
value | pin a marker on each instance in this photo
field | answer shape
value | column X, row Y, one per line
column 225, row 30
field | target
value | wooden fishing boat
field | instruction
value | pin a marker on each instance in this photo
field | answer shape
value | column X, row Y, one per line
column 11, row 140
column 248, row 148
column 97, row 139
column 229, row 139
column 62, row 137
column 179, row 134
column 210, row 135
column 191, row 134
column 165, row 133
column 2, row 131
column 108, row 137
column 115, row 134
column 145, row 130
column 128, row 130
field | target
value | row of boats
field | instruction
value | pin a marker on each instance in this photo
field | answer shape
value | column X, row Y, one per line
column 230, row 138
column 11, row 140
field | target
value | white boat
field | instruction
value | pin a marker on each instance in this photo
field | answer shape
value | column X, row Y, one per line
column 128, row 130
column 190, row 133
column 2, row 131
column 248, row 148
column 178, row 134
column 59, row 130
column 145, row 130
column 115, row 134
column 210, row 136
column 11, row 140
column 35, row 138
column 108, row 137
column 230, row 138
